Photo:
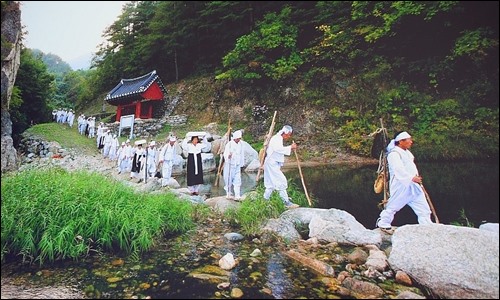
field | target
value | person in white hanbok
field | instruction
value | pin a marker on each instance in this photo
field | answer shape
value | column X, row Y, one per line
column 129, row 155
column 91, row 124
column 71, row 118
column 404, row 184
column 108, row 138
column 100, row 136
column 115, row 144
column 151, row 159
column 167, row 157
column 122, row 162
column 274, row 179
column 234, row 159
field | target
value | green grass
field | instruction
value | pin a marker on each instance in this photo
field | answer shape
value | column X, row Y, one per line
column 463, row 221
column 55, row 214
column 67, row 137
column 255, row 210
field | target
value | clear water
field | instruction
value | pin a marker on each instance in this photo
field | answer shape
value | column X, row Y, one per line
column 164, row 272
column 469, row 187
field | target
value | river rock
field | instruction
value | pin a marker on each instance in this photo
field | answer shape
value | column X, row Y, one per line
column 453, row 262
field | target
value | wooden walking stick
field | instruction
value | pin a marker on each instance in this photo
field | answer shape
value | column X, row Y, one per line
column 262, row 156
column 221, row 152
column 302, row 176
column 146, row 167
column 430, row 203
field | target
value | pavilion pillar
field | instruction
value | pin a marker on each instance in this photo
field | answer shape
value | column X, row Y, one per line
column 118, row 112
column 138, row 109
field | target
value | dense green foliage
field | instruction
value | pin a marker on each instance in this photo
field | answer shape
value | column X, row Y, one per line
column 54, row 63
column 427, row 67
column 53, row 214
column 33, row 89
column 71, row 89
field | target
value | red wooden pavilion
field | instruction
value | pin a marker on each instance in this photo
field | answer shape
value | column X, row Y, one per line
column 138, row 96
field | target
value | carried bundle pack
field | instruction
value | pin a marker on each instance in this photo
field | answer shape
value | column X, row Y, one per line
column 378, row 185
column 378, row 151
column 380, row 142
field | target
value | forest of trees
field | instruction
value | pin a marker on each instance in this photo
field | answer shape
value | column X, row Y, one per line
column 430, row 67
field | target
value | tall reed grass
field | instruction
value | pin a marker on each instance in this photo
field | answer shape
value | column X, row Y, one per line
column 54, row 214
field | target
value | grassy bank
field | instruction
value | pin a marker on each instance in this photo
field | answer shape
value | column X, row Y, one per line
column 54, row 214
column 67, row 137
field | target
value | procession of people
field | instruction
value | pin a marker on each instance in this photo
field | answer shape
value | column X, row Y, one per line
column 156, row 160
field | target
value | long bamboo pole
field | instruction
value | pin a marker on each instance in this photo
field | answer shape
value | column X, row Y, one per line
column 221, row 152
column 302, row 177
column 266, row 144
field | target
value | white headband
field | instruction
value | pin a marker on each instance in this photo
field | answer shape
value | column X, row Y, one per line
column 237, row 134
column 403, row 135
column 286, row 129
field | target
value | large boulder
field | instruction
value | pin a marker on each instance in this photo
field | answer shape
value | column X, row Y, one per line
column 451, row 261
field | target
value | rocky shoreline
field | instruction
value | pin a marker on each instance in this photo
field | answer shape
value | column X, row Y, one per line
column 408, row 257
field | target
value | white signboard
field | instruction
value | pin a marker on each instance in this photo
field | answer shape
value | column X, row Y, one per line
column 127, row 122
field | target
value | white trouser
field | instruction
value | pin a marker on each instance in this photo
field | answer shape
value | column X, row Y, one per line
column 274, row 179
column 106, row 148
column 122, row 165
column 166, row 172
column 232, row 177
column 401, row 195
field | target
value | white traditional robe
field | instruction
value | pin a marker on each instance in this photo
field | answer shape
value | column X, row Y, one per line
column 274, row 179
column 403, row 190
column 151, row 161
column 113, row 148
column 167, row 156
column 232, row 167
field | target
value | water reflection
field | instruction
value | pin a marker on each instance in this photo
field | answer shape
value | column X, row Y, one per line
column 278, row 278
column 209, row 189
column 453, row 187
column 471, row 187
